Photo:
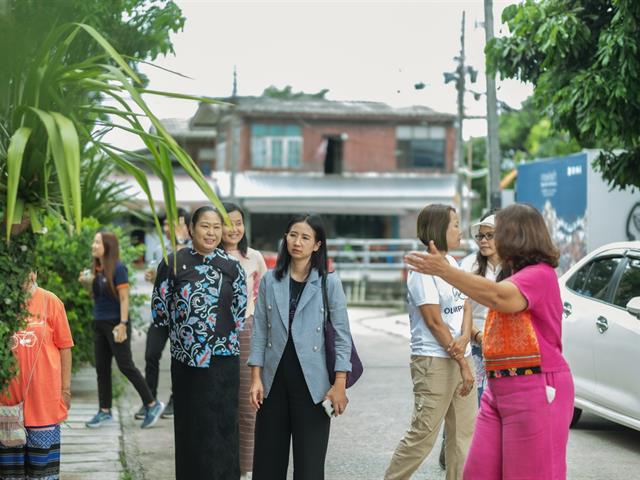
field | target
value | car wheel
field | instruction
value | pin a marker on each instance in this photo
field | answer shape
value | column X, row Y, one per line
column 577, row 413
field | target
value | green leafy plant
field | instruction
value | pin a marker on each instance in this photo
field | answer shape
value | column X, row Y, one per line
column 583, row 57
column 103, row 198
column 51, row 111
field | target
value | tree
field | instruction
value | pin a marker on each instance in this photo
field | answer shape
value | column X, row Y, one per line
column 50, row 112
column 525, row 134
column 137, row 29
column 583, row 58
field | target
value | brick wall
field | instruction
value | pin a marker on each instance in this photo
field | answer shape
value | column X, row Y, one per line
column 367, row 148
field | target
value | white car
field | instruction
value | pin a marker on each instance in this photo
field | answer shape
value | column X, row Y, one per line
column 601, row 332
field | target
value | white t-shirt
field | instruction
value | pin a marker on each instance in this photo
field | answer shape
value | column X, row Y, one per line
column 469, row 264
column 432, row 290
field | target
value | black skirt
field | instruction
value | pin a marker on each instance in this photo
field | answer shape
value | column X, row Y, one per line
column 205, row 419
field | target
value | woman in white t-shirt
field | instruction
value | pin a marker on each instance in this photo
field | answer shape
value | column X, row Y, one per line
column 235, row 243
column 440, row 318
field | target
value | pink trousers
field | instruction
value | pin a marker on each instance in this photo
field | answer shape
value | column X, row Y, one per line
column 521, row 432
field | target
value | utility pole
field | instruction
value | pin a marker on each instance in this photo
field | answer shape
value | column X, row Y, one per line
column 235, row 126
column 493, row 143
column 458, row 156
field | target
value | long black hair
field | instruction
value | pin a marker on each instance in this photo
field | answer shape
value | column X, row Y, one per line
column 243, row 244
column 318, row 258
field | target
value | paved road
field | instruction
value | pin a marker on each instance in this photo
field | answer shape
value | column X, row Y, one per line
column 381, row 406
column 363, row 440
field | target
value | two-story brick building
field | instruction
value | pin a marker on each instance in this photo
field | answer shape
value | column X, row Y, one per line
column 367, row 167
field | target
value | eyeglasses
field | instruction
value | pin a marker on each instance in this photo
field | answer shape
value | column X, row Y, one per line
column 481, row 236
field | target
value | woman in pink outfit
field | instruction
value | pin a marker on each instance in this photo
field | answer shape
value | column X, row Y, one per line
column 522, row 428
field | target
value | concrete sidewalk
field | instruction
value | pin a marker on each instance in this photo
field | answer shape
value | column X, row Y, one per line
column 89, row 454
column 149, row 454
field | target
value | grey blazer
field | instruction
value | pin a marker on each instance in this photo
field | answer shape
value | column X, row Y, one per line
column 271, row 330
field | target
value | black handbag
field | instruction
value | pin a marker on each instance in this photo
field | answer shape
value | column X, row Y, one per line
column 330, row 345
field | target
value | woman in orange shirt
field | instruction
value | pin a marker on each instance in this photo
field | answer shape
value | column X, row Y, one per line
column 43, row 352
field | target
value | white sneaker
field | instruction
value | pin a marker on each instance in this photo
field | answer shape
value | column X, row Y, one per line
column 246, row 476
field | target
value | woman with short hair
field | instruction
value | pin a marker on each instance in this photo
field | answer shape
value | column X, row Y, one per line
column 522, row 429
column 441, row 365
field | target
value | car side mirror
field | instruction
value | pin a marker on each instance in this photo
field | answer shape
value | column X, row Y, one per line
column 633, row 306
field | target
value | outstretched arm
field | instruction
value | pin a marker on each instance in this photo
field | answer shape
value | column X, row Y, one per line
column 501, row 296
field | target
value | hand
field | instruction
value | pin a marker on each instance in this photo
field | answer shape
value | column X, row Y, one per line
column 66, row 398
column 458, row 346
column 182, row 232
column 120, row 333
column 150, row 275
column 467, row 378
column 432, row 263
column 338, row 396
column 256, row 393
column 85, row 277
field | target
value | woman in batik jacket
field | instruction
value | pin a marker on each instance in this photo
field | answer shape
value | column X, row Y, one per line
column 202, row 298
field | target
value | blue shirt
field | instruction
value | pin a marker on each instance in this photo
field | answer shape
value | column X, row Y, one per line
column 105, row 305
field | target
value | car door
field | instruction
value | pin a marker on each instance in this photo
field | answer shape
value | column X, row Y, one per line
column 617, row 345
column 583, row 301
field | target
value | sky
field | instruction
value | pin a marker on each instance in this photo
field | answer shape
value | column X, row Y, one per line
column 358, row 49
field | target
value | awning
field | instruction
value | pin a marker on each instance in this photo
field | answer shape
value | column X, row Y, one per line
column 270, row 192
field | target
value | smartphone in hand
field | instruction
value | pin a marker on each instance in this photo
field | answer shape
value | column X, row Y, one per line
column 328, row 407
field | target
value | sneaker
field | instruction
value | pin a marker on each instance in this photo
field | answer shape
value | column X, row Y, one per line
column 99, row 419
column 168, row 410
column 139, row 415
column 152, row 415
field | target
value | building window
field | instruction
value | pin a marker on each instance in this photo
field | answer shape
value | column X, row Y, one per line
column 420, row 146
column 276, row 146
column 207, row 153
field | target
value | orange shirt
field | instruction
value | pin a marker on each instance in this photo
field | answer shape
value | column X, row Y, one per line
column 47, row 323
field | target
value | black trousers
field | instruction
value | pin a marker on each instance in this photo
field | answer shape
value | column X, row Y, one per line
column 105, row 349
column 205, row 404
column 156, row 341
column 289, row 413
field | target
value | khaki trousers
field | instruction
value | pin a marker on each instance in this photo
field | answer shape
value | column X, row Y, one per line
column 436, row 382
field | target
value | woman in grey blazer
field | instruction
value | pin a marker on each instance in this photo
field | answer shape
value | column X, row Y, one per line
column 289, row 374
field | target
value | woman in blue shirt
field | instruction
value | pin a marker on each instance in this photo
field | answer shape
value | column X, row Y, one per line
column 109, row 282
column 200, row 294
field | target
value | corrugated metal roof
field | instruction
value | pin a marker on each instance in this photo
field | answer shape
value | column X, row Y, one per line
column 318, row 108
column 181, row 128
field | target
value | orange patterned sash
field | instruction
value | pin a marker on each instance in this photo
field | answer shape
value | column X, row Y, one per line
column 509, row 341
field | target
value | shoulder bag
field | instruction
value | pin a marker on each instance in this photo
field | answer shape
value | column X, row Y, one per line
column 330, row 345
